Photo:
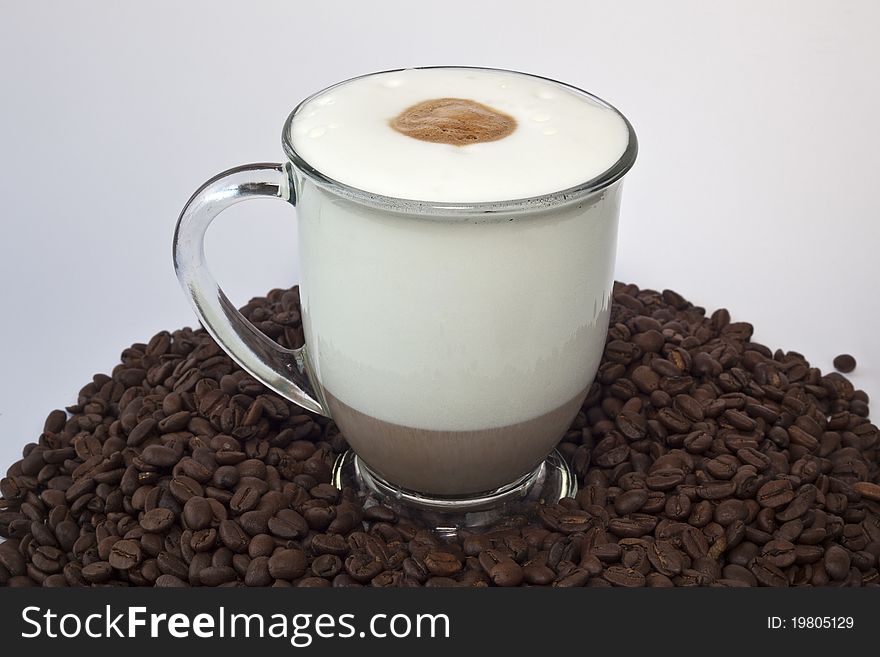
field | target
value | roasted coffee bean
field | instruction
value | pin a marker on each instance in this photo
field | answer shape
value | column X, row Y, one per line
column 844, row 363
column 143, row 429
column 327, row 565
column 287, row 564
column 245, row 499
column 537, row 574
column 159, row 456
column 665, row 479
column 255, row 522
column 626, row 528
column 362, row 567
column 574, row 577
column 678, row 506
column 204, row 540
column 197, row 513
column 656, row 580
column 807, row 553
column 867, row 490
column 701, row 514
column 804, row 499
column 646, row 379
column 170, row 564
column 217, row 575
column 723, row 467
column 729, row 511
column 618, row 351
column 183, row 488
column 694, row 542
column 775, row 494
column 689, row 407
column 665, row 558
column 743, row 554
column 630, row 501
column 97, row 572
column 738, row 420
column 258, row 572
column 329, row 544
column 837, row 562
column 632, row 425
column 442, row 564
column 476, row 543
column 67, row 533
column 415, row 569
column 47, row 560
column 506, row 573
column 716, row 490
column 157, row 520
column 655, row 503
column 125, row 554
column 790, row 530
column 320, row 582
column 171, row 581
column 740, row 574
column 233, row 536
column 490, row 558
column 779, row 552
column 767, row 574
column 626, row 577
column 346, row 518
column 288, row 524
column 319, row 517
column 573, row 521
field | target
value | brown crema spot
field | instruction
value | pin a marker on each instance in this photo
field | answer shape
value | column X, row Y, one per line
column 456, row 121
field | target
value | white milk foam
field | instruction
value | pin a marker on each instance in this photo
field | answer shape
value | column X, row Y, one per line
column 562, row 138
column 455, row 326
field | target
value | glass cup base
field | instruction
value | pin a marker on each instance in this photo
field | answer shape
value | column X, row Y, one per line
column 546, row 484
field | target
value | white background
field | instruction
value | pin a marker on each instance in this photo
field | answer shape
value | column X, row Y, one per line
column 755, row 187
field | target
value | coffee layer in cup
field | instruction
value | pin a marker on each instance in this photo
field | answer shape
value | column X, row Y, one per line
column 452, row 462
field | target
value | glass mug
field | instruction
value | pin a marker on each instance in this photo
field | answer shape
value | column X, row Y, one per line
column 452, row 343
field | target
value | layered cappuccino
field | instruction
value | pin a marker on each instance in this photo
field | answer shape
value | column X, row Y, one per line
column 454, row 351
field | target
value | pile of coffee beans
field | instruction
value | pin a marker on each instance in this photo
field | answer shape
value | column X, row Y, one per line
column 703, row 459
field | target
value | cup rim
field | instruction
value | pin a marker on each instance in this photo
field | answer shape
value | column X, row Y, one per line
column 443, row 208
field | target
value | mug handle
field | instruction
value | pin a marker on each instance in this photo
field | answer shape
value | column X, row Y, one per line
column 282, row 370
